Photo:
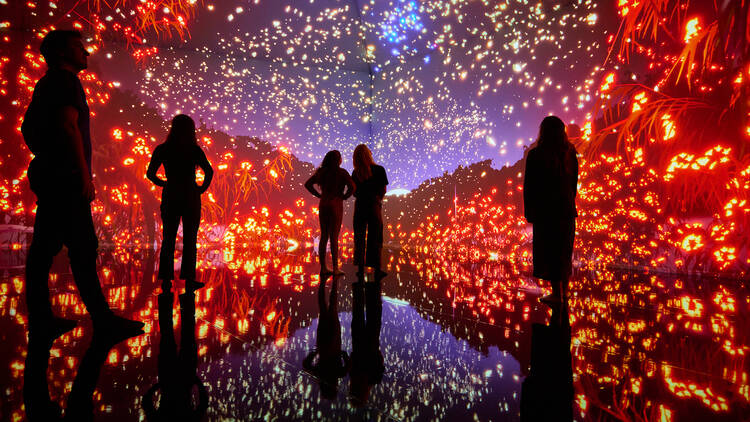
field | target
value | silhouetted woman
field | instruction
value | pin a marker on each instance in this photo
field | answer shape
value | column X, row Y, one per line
column 371, row 181
column 332, row 363
column 181, row 197
column 332, row 180
column 549, row 192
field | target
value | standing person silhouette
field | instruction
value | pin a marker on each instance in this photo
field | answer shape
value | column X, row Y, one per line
column 549, row 191
column 56, row 129
column 180, row 198
column 332, row 180
column 371, row 181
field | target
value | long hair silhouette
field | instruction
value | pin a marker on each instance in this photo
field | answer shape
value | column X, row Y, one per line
column 328, row 169
column 362, row 159
column 182, row 131
column 553, row 142
column 332, row 159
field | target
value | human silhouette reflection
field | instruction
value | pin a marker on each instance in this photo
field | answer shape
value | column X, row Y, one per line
column 332, row 363
column 177, row 370
column 79, row 407
column 547, row 393
column 36, row 397
column 367, row 360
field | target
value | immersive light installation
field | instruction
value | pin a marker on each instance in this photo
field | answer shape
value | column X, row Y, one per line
column 659, row 89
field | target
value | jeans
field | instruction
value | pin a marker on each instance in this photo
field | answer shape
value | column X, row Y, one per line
column 171, row 213
column 368, row 233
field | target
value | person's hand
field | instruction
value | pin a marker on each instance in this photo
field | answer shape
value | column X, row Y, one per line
column 89, row 190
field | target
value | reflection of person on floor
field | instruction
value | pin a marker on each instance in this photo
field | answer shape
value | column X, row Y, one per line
column 547, row 393
column 367, row 360
column 56, row 129
column 180, row 198
column 80, row 406
column 332, row 363
column 332, row 180
column 177, row 370
column 549, row 192
column 371, row 181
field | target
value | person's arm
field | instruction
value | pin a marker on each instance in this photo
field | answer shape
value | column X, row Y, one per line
column 310, row 185
column 350, row 186
column 153, row 167
column 69, row 125
column 208, row 171
column 381, row 194
column 528, row 188
column 575, row 173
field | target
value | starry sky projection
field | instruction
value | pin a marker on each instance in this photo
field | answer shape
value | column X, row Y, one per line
column 429, row 85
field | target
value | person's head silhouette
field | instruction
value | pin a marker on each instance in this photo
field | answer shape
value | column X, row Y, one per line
column 332, row 159
column 182, row 131
column 64, row 49
column 552, row 133
column 362, row 159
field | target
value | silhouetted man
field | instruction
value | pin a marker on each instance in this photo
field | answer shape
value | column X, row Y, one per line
column 56, row 129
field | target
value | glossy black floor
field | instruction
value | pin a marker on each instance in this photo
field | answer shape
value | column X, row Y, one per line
column 434, row 340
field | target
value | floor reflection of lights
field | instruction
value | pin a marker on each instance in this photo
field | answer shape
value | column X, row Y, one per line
column 644, row 346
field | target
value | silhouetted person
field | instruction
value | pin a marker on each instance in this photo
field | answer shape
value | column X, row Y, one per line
column 332, row 363
column 178, row 380
column 36, row 397
column 335, row 187
column 549, row 192
column 547, row 393
column 367, row 366
column 56, row 129
column 181, row 197
column 371, row 181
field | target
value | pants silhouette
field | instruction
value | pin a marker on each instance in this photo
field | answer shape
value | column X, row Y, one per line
column 330, row 215
column 368, row 233
column 62, row 221
column 171, row 214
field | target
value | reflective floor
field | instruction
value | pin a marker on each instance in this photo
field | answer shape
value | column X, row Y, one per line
column 435, row 339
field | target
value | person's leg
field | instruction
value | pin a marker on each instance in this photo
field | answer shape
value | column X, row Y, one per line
column 359, row 224
column 335, row 229
column 190, row 224
column 375, row 240
column 46, row 242
column 557, row 290
column 325, row 221
column 80, row 238
column 170, row 222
